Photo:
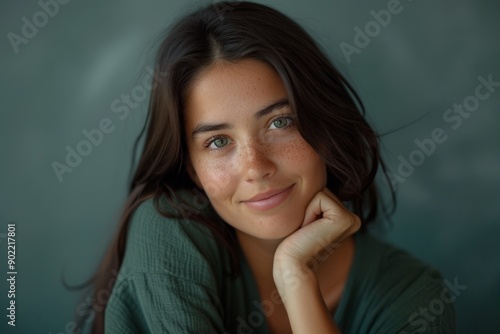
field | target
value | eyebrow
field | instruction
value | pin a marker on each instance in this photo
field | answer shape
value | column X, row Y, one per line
column 208, row 127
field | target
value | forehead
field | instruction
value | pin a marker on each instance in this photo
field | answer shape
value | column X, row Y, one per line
column 234, row 89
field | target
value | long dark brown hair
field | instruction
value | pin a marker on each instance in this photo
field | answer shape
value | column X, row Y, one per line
column 330, row 117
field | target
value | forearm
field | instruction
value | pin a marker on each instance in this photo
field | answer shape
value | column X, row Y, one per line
column 306, row 309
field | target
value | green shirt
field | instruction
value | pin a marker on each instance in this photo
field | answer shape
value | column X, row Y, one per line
column 173, row 280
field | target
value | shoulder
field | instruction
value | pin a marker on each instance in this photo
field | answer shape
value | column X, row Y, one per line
column 394, row 265
column 174, row 244
column 400, row 293
column 170, row 277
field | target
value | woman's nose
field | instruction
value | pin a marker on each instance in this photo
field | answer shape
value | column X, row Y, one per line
column 256, row 162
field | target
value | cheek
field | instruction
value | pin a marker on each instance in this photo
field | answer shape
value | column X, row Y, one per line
column 301, row 156
column 215, row 178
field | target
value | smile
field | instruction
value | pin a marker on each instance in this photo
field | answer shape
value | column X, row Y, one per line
column 271, row 201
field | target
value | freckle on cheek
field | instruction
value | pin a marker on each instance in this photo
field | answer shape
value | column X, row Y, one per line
column 296, row 152
column 216, row 177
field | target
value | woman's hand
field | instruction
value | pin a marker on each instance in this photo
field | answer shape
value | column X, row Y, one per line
column 327, row 222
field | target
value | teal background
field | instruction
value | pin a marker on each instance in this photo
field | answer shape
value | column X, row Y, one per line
column 65, row 79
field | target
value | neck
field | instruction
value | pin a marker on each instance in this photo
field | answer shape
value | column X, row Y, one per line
column 259, row 254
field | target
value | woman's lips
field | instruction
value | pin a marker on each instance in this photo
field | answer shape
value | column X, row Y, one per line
column 270, row 202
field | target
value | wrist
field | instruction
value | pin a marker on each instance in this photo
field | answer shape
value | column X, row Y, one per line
column 301, row 296
column 291, row 276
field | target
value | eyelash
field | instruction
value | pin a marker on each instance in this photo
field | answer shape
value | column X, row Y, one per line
column 289, row 117
column 210, row 140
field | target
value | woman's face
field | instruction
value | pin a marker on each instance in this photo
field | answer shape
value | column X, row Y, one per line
column 256, row 169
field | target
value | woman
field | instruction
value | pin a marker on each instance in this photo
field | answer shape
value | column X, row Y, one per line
column 249, row 206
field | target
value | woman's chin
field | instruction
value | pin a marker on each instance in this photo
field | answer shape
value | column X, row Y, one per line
column 272, row 230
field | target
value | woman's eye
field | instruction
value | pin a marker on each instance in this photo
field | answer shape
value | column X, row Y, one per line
column 218, row 142
column 281, row 122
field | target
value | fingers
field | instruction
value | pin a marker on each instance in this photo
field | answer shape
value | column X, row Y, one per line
column 317, row 206
column 327, row 223
column 325, row 207
column 321, row 204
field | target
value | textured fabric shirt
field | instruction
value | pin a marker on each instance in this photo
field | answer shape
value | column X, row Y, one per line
column 173, row 279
